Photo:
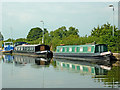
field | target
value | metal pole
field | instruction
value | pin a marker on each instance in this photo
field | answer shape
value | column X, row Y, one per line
column 11, row 33
column 113, row 17
column 113, row 21
column 43, row 33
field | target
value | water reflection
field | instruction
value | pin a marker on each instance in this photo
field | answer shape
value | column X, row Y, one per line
column 111, row 78
column 23, row 60
column 84, row 68
column 108, row 74
column 7, row 58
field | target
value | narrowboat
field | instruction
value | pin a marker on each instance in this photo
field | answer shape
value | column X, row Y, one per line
column 8, row 47
column 33, row 50
column 93, row 52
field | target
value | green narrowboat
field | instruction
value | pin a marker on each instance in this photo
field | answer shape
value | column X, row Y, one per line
column 83, row 52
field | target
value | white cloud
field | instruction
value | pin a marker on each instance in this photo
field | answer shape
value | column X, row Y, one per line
column 23, row 17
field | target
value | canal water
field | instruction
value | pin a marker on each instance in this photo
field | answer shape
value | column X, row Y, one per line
column 29, row 72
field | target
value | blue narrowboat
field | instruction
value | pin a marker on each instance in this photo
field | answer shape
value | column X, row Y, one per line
column 92, row 52
column 8, row 47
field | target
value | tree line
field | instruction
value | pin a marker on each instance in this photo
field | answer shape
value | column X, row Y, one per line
column 100, row 35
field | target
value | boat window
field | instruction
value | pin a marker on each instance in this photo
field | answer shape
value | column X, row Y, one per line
column 70, row 49
column 42, row 48
column 18, row 48
column 30, row 49
column 15, row 48
column 96, row 49
column 81, row 49
column 25, row 48
column 105, row 48
column 61, row 49
column 65, row 49
column 102, row 50
column 21, row 48
column 89, row 49
column 75, row 49
column 33, row 48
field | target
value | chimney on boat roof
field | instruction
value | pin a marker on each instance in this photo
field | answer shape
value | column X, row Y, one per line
column 62, row 44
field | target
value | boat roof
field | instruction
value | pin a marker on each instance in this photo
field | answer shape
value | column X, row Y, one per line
column 81, row 45
column 8, row 42
column 28, row 45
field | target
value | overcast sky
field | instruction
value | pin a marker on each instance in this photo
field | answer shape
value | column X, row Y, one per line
column 19, row 17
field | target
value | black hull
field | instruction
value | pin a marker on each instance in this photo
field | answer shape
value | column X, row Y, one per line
column 7, row 52
column 39, row 55
column 90, row 57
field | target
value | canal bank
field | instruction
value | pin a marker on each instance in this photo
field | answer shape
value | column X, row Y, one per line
column 117, row 56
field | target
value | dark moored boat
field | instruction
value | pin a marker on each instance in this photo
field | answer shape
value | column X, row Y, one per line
column 95, row 52
column 33, row 50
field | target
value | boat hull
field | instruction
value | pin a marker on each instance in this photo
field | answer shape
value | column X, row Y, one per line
column 5, row 52
column 47, row 54
column 91, row 57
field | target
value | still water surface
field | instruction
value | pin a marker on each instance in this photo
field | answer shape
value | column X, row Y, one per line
column 28, row 72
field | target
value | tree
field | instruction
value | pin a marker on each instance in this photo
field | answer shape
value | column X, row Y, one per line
column 104, row 33
column 1, row 37
column 71, row 40
column 34, row 34
column 72, row 31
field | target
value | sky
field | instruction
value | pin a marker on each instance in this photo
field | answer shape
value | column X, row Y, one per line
column 19, row 17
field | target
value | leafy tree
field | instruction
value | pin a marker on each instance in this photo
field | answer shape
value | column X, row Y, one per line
column 34, row 34
column 61, row 32
column 72, row 31
column 71, row 40
column 1, row 36
column 104, row 33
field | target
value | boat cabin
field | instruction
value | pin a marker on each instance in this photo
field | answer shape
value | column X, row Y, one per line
column 8, row 46
column 31, row 48
column 96, row 48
